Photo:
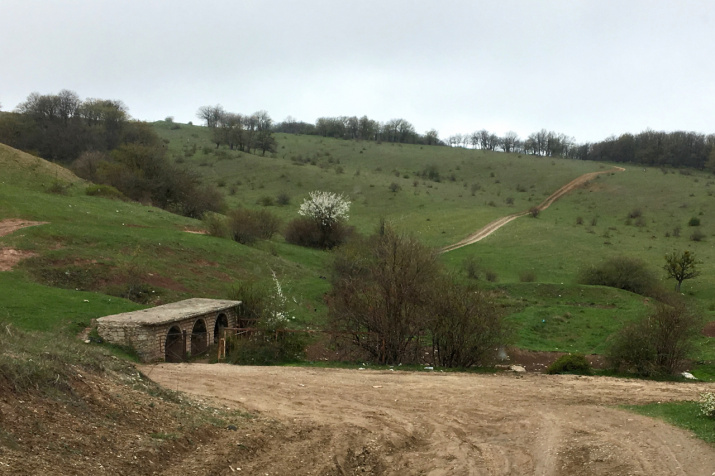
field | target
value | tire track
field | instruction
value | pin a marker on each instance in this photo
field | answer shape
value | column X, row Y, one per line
column 496, row 224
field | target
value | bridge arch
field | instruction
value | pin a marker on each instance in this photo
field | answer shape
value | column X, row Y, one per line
column 174, row 345
column 221, row 323
column 199, row 337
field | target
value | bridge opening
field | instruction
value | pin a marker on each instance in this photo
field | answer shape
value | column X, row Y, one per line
column 199, row 338
column 221, row 324
column 175, row 345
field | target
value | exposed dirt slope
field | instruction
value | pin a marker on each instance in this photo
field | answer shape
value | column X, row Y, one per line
column 10, row 257
column 344, row 422
column 496, row 224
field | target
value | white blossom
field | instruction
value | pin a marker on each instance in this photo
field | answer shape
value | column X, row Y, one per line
column 277, row 313
column 326, row 207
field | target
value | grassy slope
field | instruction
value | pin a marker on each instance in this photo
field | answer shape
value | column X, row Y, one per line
column 440, row 213
column 102, row 245
column 553, row 246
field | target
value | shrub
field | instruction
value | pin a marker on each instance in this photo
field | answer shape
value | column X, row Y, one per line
column 635, row 213
column 491, row 276
column 216, row 225
column 307, row 232
column 571, row 364
column 58, row 188
column 466, row 328
column 283, row 199
column 390, row 293
column 471, row 267
column 395, row 187
column 266, row 201
column 579, row 220
column 328, row 212
column 106, row 191
column 657, row 344
column 527, row 276
column 629, row 274
column 707, row 404
column 246, row 226
column 697, row 235
column 694, row 221
column 534, row 212
column 266, row 311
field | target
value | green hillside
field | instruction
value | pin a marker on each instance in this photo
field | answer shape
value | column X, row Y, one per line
column 113, row 248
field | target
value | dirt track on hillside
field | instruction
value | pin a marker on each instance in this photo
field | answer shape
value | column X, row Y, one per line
column 344, row 422
column 10, row 257
column 496, row 224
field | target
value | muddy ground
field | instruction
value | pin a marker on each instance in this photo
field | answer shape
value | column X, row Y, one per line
column 344, row 422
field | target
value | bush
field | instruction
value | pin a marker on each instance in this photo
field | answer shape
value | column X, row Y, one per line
column 431, row 172
column 283, row 199
column 471, row 267
column 466, row 328
column 697, row 235
column 635, row 213
column 695, row 221
column 390, row 294
column 491, row 276
column 395, row 187
column 534, row 212
column 246, row 226
column 307, row 232
column 266, row 201
column 527, row 276
column 571, row 364
column 216, row 225
column 267, row 312
column 629, row 274
column 659, row 344
column 707, row 404
column 106, row 191
column 58, row 188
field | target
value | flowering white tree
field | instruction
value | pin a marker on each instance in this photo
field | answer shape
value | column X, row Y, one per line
column 327, row 208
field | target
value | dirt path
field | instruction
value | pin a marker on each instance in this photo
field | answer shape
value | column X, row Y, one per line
column 10, row 257
column 496, row 224
column 344, row 422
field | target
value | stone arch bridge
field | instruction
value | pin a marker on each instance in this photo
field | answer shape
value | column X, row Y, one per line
column 170, row 332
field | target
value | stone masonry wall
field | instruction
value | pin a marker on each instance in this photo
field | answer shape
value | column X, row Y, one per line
column 149, row 341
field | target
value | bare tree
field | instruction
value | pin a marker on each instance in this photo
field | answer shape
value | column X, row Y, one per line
column 432, row 137
column 211, row 114
column 508, row 142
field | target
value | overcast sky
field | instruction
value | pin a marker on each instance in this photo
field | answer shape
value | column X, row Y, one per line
column 588, row 69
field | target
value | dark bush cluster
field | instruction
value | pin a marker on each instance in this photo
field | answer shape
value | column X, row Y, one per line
column 571, row 364
column 106, row 191
column 142, row 173
column 306, row 231
column 658, row 344
column 392, row 299
column 246, row 226
column 629, row 274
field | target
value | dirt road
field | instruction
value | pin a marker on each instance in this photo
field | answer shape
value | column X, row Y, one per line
column 496, row 224
column 344, row 422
